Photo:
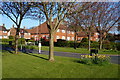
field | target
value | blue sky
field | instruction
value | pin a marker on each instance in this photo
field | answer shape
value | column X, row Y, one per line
column 26, row 22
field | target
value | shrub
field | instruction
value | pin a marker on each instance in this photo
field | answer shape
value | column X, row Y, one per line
column 94, row 44
column 84, row 40
column 5, row 40
column 63, row 43
column 21, row 41
column 118, row 46
column 31, row 40
column 95, row 59
column 83, row 45
column 11, row 37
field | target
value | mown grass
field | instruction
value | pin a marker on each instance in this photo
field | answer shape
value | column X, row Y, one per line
column 37, row 66
column 0, row 65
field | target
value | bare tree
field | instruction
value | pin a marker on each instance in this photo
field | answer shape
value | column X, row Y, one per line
column 78, row 18
column 16, row 12
column 87, row 22
column 106, row 17
column 54, row 13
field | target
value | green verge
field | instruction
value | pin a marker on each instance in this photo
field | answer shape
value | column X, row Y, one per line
column 78, row 50
column 0, row 65
column 37, row 66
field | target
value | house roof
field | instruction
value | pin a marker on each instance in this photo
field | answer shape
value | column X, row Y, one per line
column 43, row 28
column 38, row 29
column 2, row 28
column 13, row 31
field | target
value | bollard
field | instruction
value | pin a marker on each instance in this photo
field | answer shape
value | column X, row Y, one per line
column 93, row 51
column 39, row 45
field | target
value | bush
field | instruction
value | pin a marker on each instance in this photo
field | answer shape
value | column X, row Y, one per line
column 84, row 40
column 30, row 47
column 21, row 41
column 31, row 40
column 5, row 40
column 83, row 45
column 95, row 59
column 95, row 45
column 11, row 37
column 118, row 46
column 63, row 43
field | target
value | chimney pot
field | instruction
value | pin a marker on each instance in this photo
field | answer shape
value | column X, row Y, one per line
column 3, row 25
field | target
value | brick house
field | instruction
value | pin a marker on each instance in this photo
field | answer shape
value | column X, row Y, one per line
column 94, row 36
column 22, row 34
column 81, row 35
column 42, row 31
column 3, row 32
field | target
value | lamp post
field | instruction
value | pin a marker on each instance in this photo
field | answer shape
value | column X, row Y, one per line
column 39, row 41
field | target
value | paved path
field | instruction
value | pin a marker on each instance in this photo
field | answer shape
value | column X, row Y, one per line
column 114, row 58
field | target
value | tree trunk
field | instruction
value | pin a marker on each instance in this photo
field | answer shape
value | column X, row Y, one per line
column 89, row 37
column 101, row 42
column 16, row 44
column 75, row 40
column 51, row 46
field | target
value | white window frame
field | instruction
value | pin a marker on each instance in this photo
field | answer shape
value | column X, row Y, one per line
column 58, row 30
column 72, row 32
column 57, row 37
column 4, row 36
column 63, row 37
column 43, row 35
column 68, row 38
column 4, row 31
column 0, row 37
column 68, row 32
column 72, row 38
column 63, row 31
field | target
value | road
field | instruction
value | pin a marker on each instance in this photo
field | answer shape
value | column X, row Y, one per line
column 114, row 58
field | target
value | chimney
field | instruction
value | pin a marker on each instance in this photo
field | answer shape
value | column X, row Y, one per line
column 13, row 26
column 3, row 25
column 24, row 27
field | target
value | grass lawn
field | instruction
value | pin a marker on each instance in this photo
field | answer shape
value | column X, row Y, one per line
column 37, row 66
column 0, row 66
column 78, row 50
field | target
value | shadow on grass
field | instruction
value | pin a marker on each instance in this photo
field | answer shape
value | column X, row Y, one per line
column 36, row 56
column 76, row 61
column 7, row 48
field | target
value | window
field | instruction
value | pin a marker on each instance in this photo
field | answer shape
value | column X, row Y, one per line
column 43, row 35
column 97, row 33
column 68, row 38
column 68, row 32
column 63, row 37
column 72, row 32
column 63, row 31
column 47, row 37
column 4, row 31
column 72, row 38
column 58, row 30
column 22, row 31
column 5, row 36
column 0, row 37
column 57, row 37
column 36, row 35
